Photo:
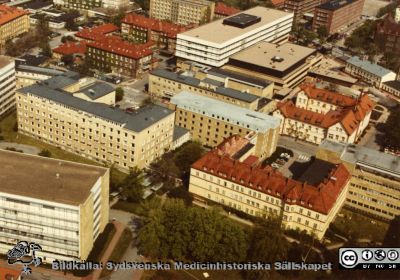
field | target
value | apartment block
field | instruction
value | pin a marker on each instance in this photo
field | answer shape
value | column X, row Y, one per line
column 368, row 71
column 337, row 14
column 78, row 4
column 97, row 32
column 220, row 85
column 7, row 84
column 229, row 175
column 285, row 65
column 321, row 114
column 81, row 120
column 13, row 22
column 375, row 178
column 64, row 220
column 210, row 121
column 141, row 29
column 112, row 54
column 213, row 43
column 301, row 7
column 387, row 35
column 182, row 11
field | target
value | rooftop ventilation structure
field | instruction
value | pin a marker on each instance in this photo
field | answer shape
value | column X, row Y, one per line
column 277, row 59
column 242, row 20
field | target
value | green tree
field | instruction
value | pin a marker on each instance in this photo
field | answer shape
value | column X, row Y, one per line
column 119, row 94
column 132, row 187
column 268, row 245
column 391, row 129
column 361, row 40
column 45, row 153
column 322, row 32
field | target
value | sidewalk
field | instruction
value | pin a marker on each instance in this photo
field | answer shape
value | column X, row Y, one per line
column 119, row 229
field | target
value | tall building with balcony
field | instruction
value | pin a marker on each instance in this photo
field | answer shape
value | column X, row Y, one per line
column 301, row 7
column 60, row 205
column 182, row 11
column 231, row 175
column 213, row 43
column 7, row 84
column 337, row 14
column 13, row 22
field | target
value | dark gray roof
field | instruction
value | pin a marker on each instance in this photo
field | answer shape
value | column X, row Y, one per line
column 34, row 60
column 213, row 82
column 97, row 90
column 196, row 82
column 393, row 84
column 179, row 132
column 58, row 82
column 136, row 121
column 38, row 70
column 316, row 172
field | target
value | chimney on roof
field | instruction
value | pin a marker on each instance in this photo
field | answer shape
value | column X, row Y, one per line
column 58, row 175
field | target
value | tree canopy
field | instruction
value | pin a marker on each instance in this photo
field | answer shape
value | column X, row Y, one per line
column 178, row 232
column 362, row 37
column 391, row 129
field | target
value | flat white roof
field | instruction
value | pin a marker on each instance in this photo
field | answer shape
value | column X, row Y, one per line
column 224, row 111
column 218, row 33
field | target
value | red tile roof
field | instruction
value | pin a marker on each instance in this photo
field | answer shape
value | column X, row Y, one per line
column 116, row 45
column 346, row 117
column 230, row 146
column 327, row 96
column 278, row 3
column 225, row 10
column 10, row 13
column 9, row 273
column 320, row 198
column 71, row 48
column 96, row 32
column 169, row 29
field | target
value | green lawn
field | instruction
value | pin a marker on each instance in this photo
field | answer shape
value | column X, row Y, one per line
column 7, row 131
column 360, row 226
column 119, row 250
column 127, row 206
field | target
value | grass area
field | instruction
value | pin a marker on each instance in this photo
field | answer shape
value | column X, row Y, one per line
column 7, row 131
column 127, row 206
column 359, row 226
column 120, row 249
column 190, row 275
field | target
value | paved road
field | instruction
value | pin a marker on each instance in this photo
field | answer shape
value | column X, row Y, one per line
column 300, row 147
column 131, row 255
column 27, row 149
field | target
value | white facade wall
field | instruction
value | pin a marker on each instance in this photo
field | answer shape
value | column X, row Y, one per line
column 7, row 87
column 211, row 53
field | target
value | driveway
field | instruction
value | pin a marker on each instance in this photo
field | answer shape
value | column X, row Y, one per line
column 27, row 149
column 131, row 254
column 300, row 147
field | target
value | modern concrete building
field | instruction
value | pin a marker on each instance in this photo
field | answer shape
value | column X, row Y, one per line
column 91, row 4
column 142, row 29
column 7, row 84
column 322, row 114
column 369, row 72
column 13, row 22
column 76, row 116
column 213, row 43
column 60, row 205
column 182, row 11
column 301, row 7
column 375, row 182
column 286, row 65
column 210, row 121
column 230, row 175
column 337, row 14
column 220, row 85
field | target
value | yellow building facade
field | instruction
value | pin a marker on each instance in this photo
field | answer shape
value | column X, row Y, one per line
column 13, row 22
